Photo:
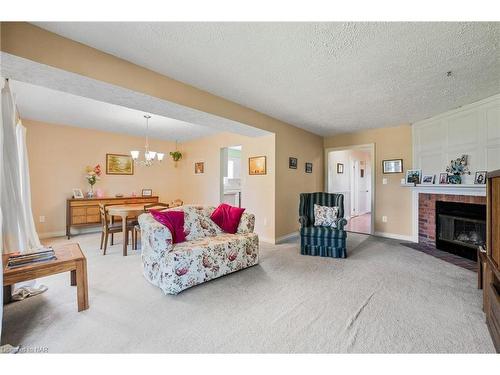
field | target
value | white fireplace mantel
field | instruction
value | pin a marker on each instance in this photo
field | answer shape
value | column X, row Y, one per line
column 459, row 189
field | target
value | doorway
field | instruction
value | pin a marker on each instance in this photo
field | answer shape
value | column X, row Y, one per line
column 230, row 175
column 351, row 171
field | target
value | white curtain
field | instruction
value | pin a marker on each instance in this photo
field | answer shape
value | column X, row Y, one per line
column 30, row 239
column 19, row 231
column 1, row 190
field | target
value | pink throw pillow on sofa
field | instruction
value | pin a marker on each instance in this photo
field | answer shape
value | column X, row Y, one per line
column 227, row 217
column 174, row 221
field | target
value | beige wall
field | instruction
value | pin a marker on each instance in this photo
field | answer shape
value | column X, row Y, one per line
column 30, row 42
column 391, row 200
column 306, row 147
column 257, row 191
column 59, row 154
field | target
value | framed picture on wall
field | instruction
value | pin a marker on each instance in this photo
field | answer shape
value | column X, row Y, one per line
column 199, row 167
column 392, row 166
column 309, row 167
column 147, row 192
column 292, row 163
column 257, row 165
column 340, row 168
column 119, row 164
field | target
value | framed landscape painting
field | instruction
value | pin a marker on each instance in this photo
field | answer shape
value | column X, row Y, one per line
column 119, row 164
column 257, row 165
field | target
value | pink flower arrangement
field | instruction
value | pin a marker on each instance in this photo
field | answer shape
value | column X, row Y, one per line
column 93, row 174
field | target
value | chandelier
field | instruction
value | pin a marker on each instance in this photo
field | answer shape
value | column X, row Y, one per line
column 149, row 156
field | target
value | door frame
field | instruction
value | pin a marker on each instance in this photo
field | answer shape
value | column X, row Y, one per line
column 368, row 147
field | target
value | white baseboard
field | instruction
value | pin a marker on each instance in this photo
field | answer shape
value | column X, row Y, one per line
column 62, row 233
column 395, row 236
column 287, row 237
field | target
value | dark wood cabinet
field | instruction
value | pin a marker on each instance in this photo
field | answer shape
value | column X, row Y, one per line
column 85, row 212
column 491, row 261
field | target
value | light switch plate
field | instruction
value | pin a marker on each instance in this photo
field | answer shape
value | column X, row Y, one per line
column 384, row 181
column 384, row 219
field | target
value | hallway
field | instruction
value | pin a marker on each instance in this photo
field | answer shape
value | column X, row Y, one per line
column 359, row 224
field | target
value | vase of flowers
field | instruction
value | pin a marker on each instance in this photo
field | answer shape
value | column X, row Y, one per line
column 457, row 169
column 93, row 174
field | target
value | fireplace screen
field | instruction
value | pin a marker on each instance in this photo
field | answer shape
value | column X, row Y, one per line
column 467, row 232
column 460, row 228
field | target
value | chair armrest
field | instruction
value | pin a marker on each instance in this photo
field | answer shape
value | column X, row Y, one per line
column 156, row 238
column 304, row 221
column 341, row 223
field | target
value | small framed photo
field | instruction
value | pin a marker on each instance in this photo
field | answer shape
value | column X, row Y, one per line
column 257, row 165
column 292, row 163
column 443, row 178
column 340, row 168
column 392, row 166
column 428, row 179
column 413, row 176
column 309, row 167
column 480, row 178
column 77, row 193
column 199, row 167
column 147, row 192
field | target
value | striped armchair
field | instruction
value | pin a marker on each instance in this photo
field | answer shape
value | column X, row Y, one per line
column 322, row 241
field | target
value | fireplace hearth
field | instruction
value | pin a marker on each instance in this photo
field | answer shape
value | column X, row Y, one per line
column 460, row 228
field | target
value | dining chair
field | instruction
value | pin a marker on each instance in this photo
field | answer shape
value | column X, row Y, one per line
column 110, row 228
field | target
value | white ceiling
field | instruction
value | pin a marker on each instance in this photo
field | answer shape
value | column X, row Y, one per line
column 43, row 104
column 324, row 77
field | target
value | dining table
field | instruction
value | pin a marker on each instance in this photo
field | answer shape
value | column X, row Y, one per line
column 125, row 211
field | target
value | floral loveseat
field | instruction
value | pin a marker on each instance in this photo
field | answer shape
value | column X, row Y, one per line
column 206, row 254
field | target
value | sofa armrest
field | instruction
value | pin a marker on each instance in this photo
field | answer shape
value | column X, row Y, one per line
column 341, row 223
column 156, row 239
column 304, row 221
column 247, row 223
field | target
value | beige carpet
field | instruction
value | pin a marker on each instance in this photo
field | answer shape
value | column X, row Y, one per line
column 383, row 298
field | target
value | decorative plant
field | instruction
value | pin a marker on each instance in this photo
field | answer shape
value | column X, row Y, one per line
column 176, row 155
column 93, row 174
column 456, row 169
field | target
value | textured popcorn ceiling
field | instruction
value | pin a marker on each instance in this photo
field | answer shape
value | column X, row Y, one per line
column 324, row 77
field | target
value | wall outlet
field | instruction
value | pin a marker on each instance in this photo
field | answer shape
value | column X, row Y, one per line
column 42, row 219
column 384, row 219
column 384, row 181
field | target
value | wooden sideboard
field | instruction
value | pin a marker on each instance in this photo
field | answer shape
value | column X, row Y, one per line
column 491, row 260
column 85, row 212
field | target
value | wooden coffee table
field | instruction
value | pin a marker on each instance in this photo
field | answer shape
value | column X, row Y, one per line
column 69, row 259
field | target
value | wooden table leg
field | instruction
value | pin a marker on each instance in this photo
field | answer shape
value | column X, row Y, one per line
column 7, row 294
column 82, row 288
column 73, row 277
column 125, row 235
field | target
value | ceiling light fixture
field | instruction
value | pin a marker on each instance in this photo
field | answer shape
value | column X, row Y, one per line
column 149, row 156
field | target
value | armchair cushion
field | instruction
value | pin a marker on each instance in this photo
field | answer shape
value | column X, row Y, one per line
column 325, row 216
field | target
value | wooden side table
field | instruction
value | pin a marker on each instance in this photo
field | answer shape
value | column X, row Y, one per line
column 69, row 259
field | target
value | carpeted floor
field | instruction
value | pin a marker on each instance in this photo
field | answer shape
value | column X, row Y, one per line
column 384, row 298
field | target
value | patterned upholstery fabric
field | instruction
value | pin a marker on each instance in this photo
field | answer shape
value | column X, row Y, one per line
column 208, row 255
column 318, row 240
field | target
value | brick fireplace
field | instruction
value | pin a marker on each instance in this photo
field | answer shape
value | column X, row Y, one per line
column 427, row 213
